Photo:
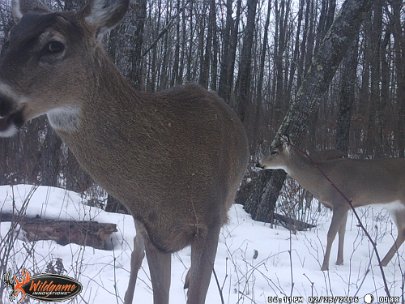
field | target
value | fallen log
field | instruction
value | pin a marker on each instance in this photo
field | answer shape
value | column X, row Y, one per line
column 292, row 224
column 85, row 233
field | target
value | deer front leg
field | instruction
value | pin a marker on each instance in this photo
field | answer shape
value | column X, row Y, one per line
column 342, row 231
column 203, row 251
column 333, row 229
column 160, row 270
column 136, row 261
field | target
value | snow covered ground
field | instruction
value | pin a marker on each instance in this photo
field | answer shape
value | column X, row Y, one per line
column 254, row 261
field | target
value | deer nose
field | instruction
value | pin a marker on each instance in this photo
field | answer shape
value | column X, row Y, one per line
column 6, row 105
column 259, row 165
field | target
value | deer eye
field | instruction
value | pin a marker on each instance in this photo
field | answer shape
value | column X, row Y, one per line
column 274, row 152
column 52, row 52
column 54, row 47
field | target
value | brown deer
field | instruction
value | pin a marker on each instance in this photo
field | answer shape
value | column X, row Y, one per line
column 364, row 182
column 174, row 158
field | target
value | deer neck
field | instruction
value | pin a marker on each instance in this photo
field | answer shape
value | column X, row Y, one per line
column 306, row 173
column 107, row 92
column 112, row 89
column 99, row 130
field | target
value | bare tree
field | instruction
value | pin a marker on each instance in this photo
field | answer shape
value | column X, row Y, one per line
column 243, row 87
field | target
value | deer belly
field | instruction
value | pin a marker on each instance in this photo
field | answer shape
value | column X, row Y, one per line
column 174, row 238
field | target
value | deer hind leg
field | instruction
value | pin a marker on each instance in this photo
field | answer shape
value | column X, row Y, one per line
column 203, row 251
column 333, row 229
column 136, row 261
column 341, row 231
column 399, row 220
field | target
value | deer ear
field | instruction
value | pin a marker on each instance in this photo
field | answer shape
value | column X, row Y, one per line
column 103, row 15
column 20, row 7
column 285, row 140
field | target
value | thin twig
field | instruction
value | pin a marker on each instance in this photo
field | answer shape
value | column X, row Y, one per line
column 219, row 287
column 291, row 265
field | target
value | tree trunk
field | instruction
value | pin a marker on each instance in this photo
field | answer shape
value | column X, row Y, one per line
column 399, row 47
column 346, row 98
column 229, row 51
column 175, row 71
column 153, row 79
column 375, row 123
column 223, row 87
column 243, row 85
column 191, row 38
column 296, row 51
column 76, row 178
column 214, row 61
column 325, row 20
column 205, row 68
column 113, row 205
column 50, row 161
column 258, row 117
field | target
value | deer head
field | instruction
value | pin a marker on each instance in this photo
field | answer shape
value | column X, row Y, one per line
column 52, row 52
column 279, row 156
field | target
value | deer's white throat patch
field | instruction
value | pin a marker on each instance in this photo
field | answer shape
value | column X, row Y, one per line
column 65, row 118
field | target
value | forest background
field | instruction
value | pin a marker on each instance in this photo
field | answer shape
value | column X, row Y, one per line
column 255, row 54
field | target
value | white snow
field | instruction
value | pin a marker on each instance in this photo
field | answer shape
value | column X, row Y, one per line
column 242, row 277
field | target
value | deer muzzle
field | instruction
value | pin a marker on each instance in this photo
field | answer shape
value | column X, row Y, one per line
column 259, row 166
column 11, row 119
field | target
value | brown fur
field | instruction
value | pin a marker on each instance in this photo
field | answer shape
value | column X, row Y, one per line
column 174, row 158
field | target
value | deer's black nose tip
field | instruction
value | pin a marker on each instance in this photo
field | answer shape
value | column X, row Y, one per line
column 259, row 165
column 6, row 105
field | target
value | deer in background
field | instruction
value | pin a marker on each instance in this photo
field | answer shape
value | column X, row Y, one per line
column 364, row 182
column 321, row 156
column 175, row 158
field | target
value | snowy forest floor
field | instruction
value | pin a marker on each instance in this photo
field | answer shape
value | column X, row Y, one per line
column 254, row 262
